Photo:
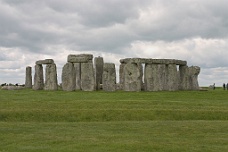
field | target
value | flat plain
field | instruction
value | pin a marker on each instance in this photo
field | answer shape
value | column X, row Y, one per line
column 36, row 121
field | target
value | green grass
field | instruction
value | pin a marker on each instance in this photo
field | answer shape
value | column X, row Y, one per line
column 113, row 121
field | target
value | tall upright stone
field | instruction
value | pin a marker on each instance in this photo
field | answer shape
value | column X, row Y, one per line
column 193, row 73
column 172, row 77
column 87, row 77
column 28, row 77
column 121, row 75
column 155, row 77
column 99, row 63
column 132, row 77
column 184, row 77
column 51, row 82
column 38, row 78
column 109, row 77
column 78, row 75
column 68, row 77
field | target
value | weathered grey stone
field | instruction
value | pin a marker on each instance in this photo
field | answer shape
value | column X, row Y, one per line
column 125, row 61
column 46, row 61
column 78, row 75
column 132, row 77
column 153, row 61
column 28, row 77
column 80, row 58
column 38, row 78
column 155, row 77
column 99, row 63
column 121, row 75
column 193, row 73
column 172, row 77
column 109, row 77
column 51, row 82
column 133, row 60
column 87, row 77
column 184, row 78
column 165, row 61
column 68, row 77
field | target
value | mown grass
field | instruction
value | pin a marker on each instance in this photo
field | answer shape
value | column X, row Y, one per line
column 113, row 121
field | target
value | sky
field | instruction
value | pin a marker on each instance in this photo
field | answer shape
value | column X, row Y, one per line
column 191, row 30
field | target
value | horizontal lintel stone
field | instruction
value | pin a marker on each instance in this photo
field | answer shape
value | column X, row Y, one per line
column 46, row 61
column 79, row 58
column 153, row 61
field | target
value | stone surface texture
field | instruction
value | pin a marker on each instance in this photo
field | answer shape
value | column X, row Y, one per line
column 172, row 77
column 132, row 77
column 184, row 83
column 46, row 61
column 155, row 77
column 121, row 73
column 28, row 77
column 38, row 78
column 109, row 77
column 79, row 58
column 99, row 63
column 51, row 82
column 68, row 77
column 193, row 73
column 78, row 75
column 87, row 77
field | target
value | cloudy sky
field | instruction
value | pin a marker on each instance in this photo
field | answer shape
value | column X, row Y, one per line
column 191, row 30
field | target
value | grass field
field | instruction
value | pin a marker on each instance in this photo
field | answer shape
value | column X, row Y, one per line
column 36, row 121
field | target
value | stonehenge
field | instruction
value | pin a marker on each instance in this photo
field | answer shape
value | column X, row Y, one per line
column 86, row 73
column 50, row 75
column 159, row 75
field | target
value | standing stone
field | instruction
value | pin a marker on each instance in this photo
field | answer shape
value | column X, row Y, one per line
column 68, row 77
column 184, row 77
column 28, row 77
column 109, row 77
column 38, row 78
column 51, row 77
column 172, row 77
column 193, row 73
column 155, row 77
column 121, row 75
column 99, row 63
column 132, row 77
column 78, row 75
column 87, row 77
